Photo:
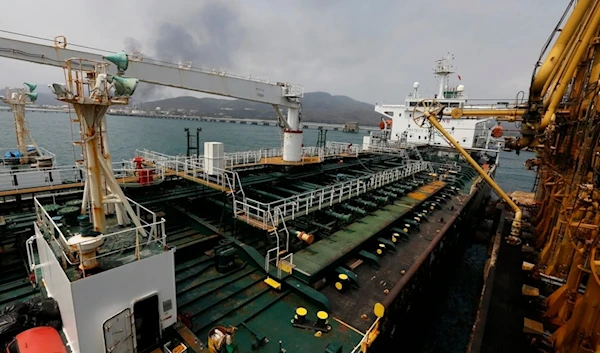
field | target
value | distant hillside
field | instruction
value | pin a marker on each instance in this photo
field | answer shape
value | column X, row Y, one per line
column 316, row 107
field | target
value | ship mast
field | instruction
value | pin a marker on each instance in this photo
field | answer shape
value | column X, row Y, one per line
column 91, row 90
column 16, row 99
column 443, row 70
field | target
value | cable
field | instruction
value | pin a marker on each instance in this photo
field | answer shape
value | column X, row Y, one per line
column 550, row 38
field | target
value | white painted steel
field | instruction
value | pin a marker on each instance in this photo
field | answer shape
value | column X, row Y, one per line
column 292, row 146
column 171, row 75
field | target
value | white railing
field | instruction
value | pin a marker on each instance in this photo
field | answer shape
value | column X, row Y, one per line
column 248, row 158
column 126, row 169
column 400, row 151
column 303, row 204
column 192, row 166
column 19, row 179
column 336, row 148
column 124, row 239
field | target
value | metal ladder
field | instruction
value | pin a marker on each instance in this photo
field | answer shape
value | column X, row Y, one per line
column 274, row 254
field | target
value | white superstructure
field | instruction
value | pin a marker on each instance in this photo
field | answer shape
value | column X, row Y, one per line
column 470, row 133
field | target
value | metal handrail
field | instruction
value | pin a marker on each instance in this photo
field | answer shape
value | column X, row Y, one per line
column 299, row 205
column 155, row 231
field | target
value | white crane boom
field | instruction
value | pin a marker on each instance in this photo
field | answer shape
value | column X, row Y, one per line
column 170, row 75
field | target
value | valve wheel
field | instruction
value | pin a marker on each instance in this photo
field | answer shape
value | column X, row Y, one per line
column 424, row 109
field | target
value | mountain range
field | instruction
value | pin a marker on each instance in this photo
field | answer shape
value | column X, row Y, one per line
column 316, row 107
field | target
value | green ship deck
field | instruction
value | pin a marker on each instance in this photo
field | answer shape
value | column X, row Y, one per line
column 242, row 299
column 311, row 261
column 200, row 220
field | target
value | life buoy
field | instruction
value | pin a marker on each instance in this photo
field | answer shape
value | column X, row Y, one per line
column 497, row 132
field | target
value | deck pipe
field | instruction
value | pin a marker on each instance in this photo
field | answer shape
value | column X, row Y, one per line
column 386, row 193
column 286, row 190
column 354, row 209
column 380, row 199
column 340, row 216
column 305, row 188
column 220, row 203
column 404, row 186
column 303, row 236
column 394, row 190
column 267, row 194
column 366, row 203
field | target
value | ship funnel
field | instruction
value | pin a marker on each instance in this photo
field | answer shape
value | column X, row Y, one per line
column 31, row 86
column 124, row 86
column 121, row 60
column 33, row 96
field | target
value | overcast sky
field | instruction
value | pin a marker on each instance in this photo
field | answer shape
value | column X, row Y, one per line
column 372, row 51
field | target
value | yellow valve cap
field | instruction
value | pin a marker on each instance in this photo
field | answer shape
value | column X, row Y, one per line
column 322, row 315
column 301, row 311
column 379, row 252
column 343, row 276
column 394, row 239
column 405, row 230
column 338, row 286
column 379, row 310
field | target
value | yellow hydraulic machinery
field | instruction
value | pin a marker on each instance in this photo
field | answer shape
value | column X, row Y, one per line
column 429, row 110
column 561, row 122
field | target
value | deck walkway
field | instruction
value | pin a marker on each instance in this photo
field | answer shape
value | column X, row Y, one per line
column 46, row 188
column 313, row 260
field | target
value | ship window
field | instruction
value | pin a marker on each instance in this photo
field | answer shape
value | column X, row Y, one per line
column 453, row 128
column 419, row 137
column 410, row 136
column 409, row 126
column 410, row 115
column 389, row 113
column 413, row 104
column 464, row 140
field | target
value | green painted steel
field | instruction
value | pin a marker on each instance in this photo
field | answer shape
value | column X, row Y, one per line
column 312, row 262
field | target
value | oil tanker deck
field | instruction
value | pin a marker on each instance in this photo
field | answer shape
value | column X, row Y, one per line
column 349, row 255
column 320, row 249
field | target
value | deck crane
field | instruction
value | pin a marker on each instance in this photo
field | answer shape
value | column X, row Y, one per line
column 91, row 89
column 560, row 121
column 16, row 98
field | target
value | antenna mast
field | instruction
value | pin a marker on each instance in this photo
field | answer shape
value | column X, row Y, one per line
column 443, row 70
